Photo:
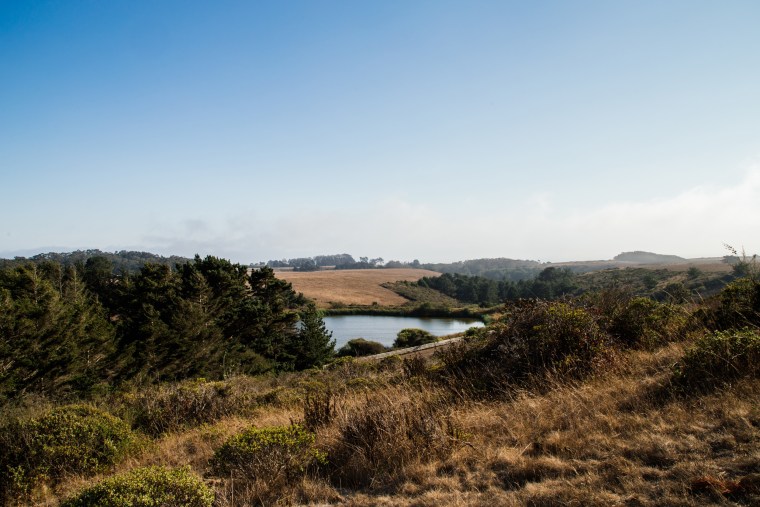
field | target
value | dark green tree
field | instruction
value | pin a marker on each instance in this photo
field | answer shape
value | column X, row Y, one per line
column 361, row 347
column 313, row 346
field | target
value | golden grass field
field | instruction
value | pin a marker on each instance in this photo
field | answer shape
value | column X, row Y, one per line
column 352, row 286
column 610, row 440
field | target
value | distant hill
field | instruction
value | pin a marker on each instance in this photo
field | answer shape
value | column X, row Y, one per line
column 647, row 258
column 494, row 269
column 122, row 261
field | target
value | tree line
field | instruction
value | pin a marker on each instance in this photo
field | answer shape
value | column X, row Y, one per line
column 75, row 328
column 123, row 261
column 550, row 283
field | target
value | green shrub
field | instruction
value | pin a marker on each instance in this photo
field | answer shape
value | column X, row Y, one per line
column 147, row 487
column 74, row 439
column 739, row 304
column 531, row 338
column 361, row 347
column 277, row 454
column 413, row 337
column 719, row 358
column 538, row 335
column 643, row 322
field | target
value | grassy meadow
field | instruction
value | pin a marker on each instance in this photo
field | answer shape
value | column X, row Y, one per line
column 345, row 287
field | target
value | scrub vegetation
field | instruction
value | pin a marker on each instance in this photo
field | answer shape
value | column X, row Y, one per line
column 603, row 398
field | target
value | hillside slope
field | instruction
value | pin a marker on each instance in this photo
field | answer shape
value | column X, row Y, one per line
column 352, row 286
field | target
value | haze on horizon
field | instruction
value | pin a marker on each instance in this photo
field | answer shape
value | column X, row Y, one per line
column 437, row 130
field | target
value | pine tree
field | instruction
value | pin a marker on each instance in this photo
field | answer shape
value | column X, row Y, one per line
column 314, row 345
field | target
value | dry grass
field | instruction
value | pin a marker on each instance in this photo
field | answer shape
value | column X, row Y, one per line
column 620, row 437
column 706, row 267
column 352, row 286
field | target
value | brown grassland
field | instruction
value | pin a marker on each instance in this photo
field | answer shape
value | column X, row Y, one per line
column 352, row 286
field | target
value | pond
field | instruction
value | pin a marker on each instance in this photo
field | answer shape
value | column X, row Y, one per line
column 383, row 328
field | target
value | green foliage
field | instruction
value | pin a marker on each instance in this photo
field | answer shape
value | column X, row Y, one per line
column 661, row 284
column 360, row 347
column 314, row 344
column 122, row 262
column 76, row 330
column 719, row 358
column 493, row 269
column 54, row 337
column 693, row 272
column 413, row 337
column 537, row 335
column 550, row 283
column 279, row 454
column 73, row 439
column 530, row 339
column 642, row 322
column 739, row 304
column 147, row 487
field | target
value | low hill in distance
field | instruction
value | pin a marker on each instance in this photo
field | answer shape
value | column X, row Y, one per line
column 640, row 257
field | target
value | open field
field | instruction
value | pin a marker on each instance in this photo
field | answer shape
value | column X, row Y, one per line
column 352, row 286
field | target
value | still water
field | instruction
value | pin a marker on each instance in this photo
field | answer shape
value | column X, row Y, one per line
column 383, row 329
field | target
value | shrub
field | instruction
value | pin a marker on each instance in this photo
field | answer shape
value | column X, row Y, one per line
column 74, row 439
column 531, row 338
column 277, row 454
column 147, row 487
column 413, row 337
column 361, row 347
column 318, row 408
column 643, row 322
column 538, row 335
column 719, row 358
column 739, row 304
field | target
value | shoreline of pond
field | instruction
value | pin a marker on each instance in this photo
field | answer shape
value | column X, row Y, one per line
column 474, row 312
column 384, row 328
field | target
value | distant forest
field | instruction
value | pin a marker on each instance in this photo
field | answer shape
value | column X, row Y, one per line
column 555, row 282
column 337, row 261
column 123, row 261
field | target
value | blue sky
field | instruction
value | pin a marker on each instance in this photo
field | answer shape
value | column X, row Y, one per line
column 438, row 130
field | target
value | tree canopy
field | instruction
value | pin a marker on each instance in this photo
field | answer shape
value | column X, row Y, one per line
column 71, row 328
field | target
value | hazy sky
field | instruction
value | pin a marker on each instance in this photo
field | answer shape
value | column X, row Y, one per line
column 437, row 130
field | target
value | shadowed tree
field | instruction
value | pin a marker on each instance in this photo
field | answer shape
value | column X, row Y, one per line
column 313, row 346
